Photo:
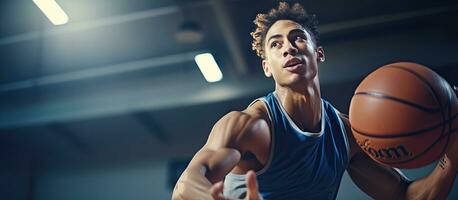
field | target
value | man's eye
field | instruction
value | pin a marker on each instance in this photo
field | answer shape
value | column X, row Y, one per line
column 274, row 44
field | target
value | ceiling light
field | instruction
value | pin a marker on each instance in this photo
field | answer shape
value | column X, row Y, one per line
column 53, row 11
column 208, row 67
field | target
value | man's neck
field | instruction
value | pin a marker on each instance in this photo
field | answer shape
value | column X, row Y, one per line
column 302, row 105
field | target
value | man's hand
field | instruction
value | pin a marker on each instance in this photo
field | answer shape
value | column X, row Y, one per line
column 451, row 155
column 252, row 189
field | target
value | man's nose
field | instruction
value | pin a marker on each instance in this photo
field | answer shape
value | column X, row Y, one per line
column 290, row 49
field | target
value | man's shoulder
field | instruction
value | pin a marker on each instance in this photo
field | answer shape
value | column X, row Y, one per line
column 253, row 119
column 252, row 116
column 239, row 130
column 258, row 109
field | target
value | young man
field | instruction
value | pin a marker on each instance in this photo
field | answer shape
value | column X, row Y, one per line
column 298, row 144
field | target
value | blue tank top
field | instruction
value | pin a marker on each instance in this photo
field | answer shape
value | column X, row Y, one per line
column 301, row 165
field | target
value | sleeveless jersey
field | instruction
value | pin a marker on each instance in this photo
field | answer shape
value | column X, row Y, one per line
column 301, row 165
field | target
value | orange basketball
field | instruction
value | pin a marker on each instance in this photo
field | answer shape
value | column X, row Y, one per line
column 402, row 115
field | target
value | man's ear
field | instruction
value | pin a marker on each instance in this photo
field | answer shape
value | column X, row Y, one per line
column 320, row 54
column 266, row 68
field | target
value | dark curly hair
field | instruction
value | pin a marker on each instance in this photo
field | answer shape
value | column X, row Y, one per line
column 284, row 11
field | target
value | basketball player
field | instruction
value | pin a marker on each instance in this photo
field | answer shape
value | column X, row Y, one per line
column 292, row 144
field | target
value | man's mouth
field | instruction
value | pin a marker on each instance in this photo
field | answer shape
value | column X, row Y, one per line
column 294, row 65
column 293, row 62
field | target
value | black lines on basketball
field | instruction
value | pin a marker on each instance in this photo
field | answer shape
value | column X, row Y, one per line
column 406, row 134
column 421, row 78
column 384, row 96
column 431, row 90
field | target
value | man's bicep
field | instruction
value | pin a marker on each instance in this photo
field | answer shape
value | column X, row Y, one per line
column 354, row 147
column 214, row 164
column 376, row 180
column 222, row 151
column 225, row 145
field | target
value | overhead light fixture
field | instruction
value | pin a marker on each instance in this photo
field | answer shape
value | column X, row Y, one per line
column 53, row 11
column 189, row 33
column 208, row 67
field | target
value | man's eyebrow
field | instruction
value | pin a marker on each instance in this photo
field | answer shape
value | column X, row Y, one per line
column 274, row 36
column 297, row 30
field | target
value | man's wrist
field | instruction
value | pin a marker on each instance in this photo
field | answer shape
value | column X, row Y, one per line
column 448, row 164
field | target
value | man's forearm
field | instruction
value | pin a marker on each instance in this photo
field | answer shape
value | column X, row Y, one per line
column 206, row 168
column 192, row 184
column 436, row 185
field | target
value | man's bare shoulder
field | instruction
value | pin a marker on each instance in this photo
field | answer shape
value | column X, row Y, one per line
column 238, row 129
column 258, row 110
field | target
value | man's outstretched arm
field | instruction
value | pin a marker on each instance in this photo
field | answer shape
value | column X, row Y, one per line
column 225, row 144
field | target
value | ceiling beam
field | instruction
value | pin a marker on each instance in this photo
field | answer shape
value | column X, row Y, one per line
column 97, row 23
column 137, row 95
column 384, row 19
column 229, row 33
column 96, row 72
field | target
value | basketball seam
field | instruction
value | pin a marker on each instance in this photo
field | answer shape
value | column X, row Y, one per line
column 422, row 79
column 384, row 96
column 438, row 101
column 396, row 135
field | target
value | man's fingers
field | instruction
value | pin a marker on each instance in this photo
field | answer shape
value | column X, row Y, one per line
column 217, row 191
column 252, row 186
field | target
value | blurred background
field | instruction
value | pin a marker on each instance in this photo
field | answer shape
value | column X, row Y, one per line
column 112, row 105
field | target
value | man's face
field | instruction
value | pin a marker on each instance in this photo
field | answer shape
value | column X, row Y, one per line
column 291, row 55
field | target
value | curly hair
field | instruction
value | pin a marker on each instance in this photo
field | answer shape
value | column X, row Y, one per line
column 284, row 11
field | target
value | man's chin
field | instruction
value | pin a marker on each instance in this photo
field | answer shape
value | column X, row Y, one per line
column 307, row 77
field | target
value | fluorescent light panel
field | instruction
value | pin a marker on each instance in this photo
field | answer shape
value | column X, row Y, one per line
column 53, row 11
column 208, row 67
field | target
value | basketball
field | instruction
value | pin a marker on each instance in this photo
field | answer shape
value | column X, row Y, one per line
column 402, row 115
